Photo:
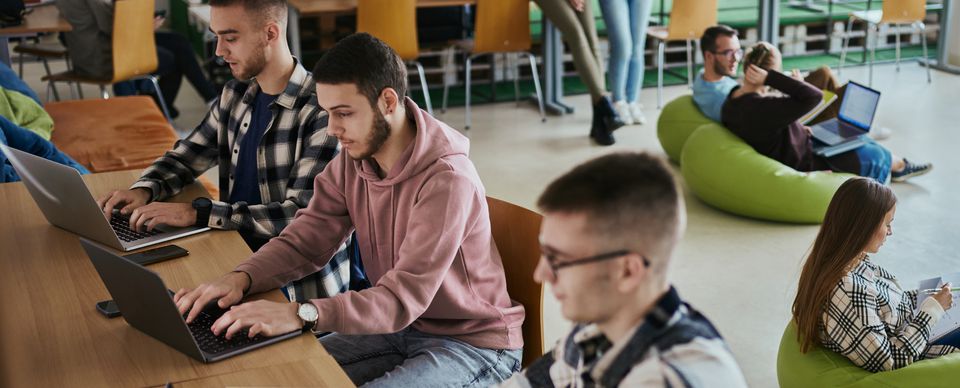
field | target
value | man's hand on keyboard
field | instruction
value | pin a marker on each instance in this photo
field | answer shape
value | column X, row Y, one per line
column 227, row 291
column 162, row 213
column 260, row 317
column 125, row 200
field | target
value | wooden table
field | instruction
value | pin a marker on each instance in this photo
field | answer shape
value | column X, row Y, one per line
column 43, row 18
column 289, row 374
column 51, row 334
column 326, row 10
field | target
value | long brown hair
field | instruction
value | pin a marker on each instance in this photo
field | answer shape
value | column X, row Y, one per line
column 853, row 216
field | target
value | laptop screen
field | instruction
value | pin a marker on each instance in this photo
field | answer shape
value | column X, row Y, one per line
column 859, row 105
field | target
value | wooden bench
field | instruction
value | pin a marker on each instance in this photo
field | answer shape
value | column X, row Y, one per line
column 121, row 133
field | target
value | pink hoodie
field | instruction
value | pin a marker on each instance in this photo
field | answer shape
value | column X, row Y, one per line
column 425, row 241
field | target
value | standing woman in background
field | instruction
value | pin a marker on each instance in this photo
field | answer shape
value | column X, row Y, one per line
column 574, row 19
column 627, row 22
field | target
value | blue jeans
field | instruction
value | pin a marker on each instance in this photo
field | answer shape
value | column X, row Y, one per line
column 22, row 139
column 411, row 358
column 626, row 22
column 875, row 161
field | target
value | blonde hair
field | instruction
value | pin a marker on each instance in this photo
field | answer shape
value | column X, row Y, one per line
column 764, row 55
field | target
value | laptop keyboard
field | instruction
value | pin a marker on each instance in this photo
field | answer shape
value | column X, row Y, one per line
column 214, row 344
column 121, row 225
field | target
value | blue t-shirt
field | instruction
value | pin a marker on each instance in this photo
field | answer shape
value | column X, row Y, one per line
column 710, row 96
column 246, row 186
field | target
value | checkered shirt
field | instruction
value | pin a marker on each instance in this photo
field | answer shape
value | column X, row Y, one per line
column 675, row 346
column 294, row 148
column 872, row 321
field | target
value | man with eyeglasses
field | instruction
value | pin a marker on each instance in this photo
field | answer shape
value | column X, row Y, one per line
column 721, row 56
column 609, row 230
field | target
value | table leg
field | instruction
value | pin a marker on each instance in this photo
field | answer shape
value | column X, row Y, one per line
column 5, row 50
column 553, row 69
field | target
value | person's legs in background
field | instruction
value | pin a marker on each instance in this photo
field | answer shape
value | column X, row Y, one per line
column 639, row 19
column 571, row 24
column 169, row 77
column 617, row 18
column 185, row 64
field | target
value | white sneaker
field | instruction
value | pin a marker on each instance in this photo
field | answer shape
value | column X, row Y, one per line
column 881, row 133
column 636, row 110
column 623, row 110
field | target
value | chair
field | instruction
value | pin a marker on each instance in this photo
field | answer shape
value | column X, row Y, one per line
column 727, row 173
column 516, row 232
column 894, row 12
column 44, row 52
column 819, row 367
column 134, row 51
column 688, row 20
column 395, row 23
column 502, row 26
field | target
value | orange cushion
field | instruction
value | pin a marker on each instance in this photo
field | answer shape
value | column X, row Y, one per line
column 121, row 133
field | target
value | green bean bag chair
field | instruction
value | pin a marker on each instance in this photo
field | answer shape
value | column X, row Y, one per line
column 725, row 172
column 678, row 119
column 820, row 367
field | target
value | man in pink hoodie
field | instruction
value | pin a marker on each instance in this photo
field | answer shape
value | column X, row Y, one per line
column 438, row 313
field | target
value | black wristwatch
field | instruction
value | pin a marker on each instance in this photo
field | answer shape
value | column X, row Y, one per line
column 203, row 206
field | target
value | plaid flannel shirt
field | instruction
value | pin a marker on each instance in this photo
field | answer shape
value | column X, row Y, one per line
column 675, row 346
column 876, row 324
column 294, row 148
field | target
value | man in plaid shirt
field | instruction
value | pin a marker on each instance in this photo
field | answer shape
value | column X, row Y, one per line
column 608, row 233
column 266, row 134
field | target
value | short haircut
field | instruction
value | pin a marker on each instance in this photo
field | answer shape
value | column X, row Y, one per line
column 708, row 42
column 275, row 10
column 630, row 199
column 365, row 61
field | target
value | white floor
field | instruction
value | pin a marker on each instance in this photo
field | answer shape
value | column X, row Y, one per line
column 741, row 273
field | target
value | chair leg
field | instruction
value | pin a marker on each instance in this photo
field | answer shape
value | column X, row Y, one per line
column 844, row 46
column 897, row 50
column 79, row 89
column 21, row 65
column 689, row 65
column 536, row 85
column 515, row 64
column 873, row 51
column 423, row 84
column 660, row 74
column 163, row 103
column 469, row 60
column 446, row 86
column 103, row 92
column 46, row 66
column 923, row 39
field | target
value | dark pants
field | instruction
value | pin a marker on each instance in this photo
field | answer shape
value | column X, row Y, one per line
column 175, row 60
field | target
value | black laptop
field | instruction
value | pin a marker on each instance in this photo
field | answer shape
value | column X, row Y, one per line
column 147, row 305
column 848, row 129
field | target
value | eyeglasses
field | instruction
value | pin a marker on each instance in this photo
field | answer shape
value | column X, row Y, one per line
column 556, row 265
column 730, row 53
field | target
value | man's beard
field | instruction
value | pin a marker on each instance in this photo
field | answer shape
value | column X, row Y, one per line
column 378, row 136
column 257, row 62
column 721, row 69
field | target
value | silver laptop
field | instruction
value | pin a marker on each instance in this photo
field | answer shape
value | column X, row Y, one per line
column 66, row 202
column 856, row 115
column 146, row 304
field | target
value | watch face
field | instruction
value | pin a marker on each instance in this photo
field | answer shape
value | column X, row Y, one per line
column 308, row 312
